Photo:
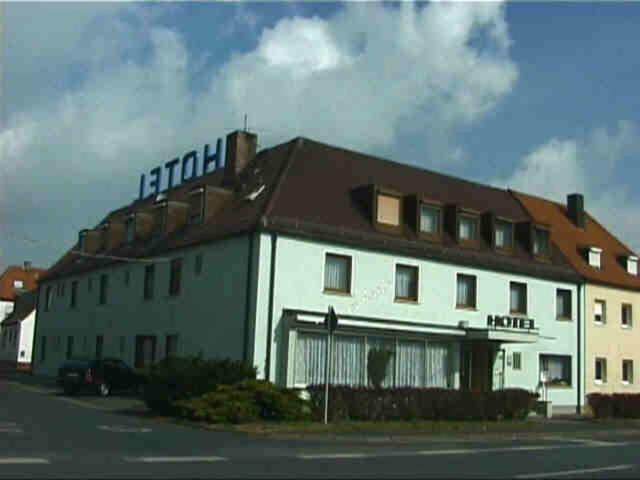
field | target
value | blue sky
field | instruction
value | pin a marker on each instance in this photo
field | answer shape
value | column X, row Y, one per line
column 540, row 97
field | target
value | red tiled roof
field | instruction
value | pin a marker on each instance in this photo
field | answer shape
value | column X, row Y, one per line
column 28, row 277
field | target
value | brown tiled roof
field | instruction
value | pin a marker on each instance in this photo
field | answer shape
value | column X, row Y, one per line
column 572, row 241
column 29, row 278
column 309, row 192
column 25, row 303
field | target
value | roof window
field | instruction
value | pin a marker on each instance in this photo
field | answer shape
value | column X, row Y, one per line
column 594, row 255
column 388, row 209
column 632, row 265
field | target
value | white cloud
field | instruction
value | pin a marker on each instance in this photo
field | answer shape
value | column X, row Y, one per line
column 359, row 79
column 586, row 165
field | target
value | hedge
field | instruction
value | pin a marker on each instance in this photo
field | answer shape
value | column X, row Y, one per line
column 620, row 405
column 364, row 403
column 180, row 378
column 247, row 401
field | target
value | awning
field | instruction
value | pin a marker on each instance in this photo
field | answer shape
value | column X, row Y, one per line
column 503, row 335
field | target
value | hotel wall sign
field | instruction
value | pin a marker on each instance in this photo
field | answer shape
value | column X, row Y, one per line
column 188, row 167
column 504, row 321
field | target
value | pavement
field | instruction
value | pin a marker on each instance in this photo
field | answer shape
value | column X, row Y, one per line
column 46, row 435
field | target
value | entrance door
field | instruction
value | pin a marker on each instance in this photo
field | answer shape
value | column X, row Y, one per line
column 481, row 367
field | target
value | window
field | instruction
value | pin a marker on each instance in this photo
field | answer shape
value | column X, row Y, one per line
column 518, row 297
column 337, row 273
column 171, row 346
column 175, row 276
column 69, row 347
column 62, row 289
column 145, row 351
column 563, row 304
column 198, row 264
column 104, row 288
column 388, row 209
column 196, row 206
column 504, row 234
column 466, row 291
column 600, row 312
column 556, row 369
column 47, row 299
column 467, row 227
column 73, row 300
column 149, row 274
column 632, row 265
column 18, row 284
column 57, row 342
column 131, row 229
column 43, row 349
column 594, row 257
column 627, row 315
column 99, row 346
column 627, row 371
column 406, row 283
column 601, row 370
column 540, row 242
column 127, row 277
column 429, row 219
column 517, row 361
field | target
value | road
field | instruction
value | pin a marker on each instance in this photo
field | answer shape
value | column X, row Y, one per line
column 45, row 435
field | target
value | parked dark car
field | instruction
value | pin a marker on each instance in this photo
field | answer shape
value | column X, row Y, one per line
column 100, row 376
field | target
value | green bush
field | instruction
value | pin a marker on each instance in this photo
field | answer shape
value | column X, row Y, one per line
column 363, row 403
column 247, row 401
column 179, row 378
column 377, row 361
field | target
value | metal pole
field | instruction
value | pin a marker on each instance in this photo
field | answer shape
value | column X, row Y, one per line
column 326, row 378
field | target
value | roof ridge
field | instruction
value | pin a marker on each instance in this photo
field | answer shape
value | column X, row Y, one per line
column 406, row 165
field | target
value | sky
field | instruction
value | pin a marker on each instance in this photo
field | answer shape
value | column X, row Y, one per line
column 538, row 97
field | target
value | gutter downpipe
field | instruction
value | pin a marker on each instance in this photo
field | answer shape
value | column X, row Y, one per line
column 272, row 274
column 580, row 352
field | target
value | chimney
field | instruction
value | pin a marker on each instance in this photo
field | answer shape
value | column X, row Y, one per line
column 575, row 207
column 241, row 149
column 27, row 266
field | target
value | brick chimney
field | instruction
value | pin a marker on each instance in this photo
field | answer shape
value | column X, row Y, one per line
column 240, row 150
column 575, row 208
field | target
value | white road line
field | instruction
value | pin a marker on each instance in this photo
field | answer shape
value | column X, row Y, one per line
column 174, row 459
column 575, row 472
column 320, row 456
column 22, row 461
column 460, row 451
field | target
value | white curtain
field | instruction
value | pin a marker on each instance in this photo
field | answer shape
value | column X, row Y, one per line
column 465, row 290
column 411, row 363
column 347, row 360
column 556, row 368
column 336, row 273
column 517, row 298
column 310, row 358
column 503, row 235
column 466, row 228
column 437, row 371
column 429, row 219
column 388, row 344
column 404, row 282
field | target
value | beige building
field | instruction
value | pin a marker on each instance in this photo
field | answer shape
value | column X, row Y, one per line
column 609, row 298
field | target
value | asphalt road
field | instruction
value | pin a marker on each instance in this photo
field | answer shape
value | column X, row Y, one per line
column 43, row 434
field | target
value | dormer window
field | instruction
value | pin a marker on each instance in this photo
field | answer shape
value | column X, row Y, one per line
column 632, row 265
column 388, row 209
column 594, row 255
column 104, row 236
column 430, row 219
column 467, row 227
column 159, row 218
column 131, row 228
column 196, row 206
column 541, row 246
column 82, row 240
column 503, row 234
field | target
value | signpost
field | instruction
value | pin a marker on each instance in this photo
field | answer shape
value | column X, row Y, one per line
column 330, row 323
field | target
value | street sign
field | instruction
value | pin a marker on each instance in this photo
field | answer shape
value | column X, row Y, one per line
column 331, row 320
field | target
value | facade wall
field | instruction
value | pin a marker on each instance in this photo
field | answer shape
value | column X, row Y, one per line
column 208, row 315
column 299, row 277
column 27, row 326
column 611, row 340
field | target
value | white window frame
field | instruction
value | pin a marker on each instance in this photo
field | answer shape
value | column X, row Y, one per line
column 570, row 317
column 600, row 381
column 455, row 291
column 628, row 325
column 632, row 265
column 526, row 297
column 516, row 365
column 627, row 361
column 341, row 253
column 603, row 315
column 595, row 257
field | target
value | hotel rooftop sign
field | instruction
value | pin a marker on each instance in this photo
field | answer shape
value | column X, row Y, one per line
column 180, row 169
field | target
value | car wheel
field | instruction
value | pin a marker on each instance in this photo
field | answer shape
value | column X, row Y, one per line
column 104, row 389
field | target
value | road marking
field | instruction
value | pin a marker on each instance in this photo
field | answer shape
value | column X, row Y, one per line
column 124, row 429
column 174, row 459
column 320, row 456
column 22, row 461
column 459, row 451
column 575, row 472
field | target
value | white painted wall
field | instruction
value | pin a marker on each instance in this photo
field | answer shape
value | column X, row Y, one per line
column 299, row 278
column 208, row 315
